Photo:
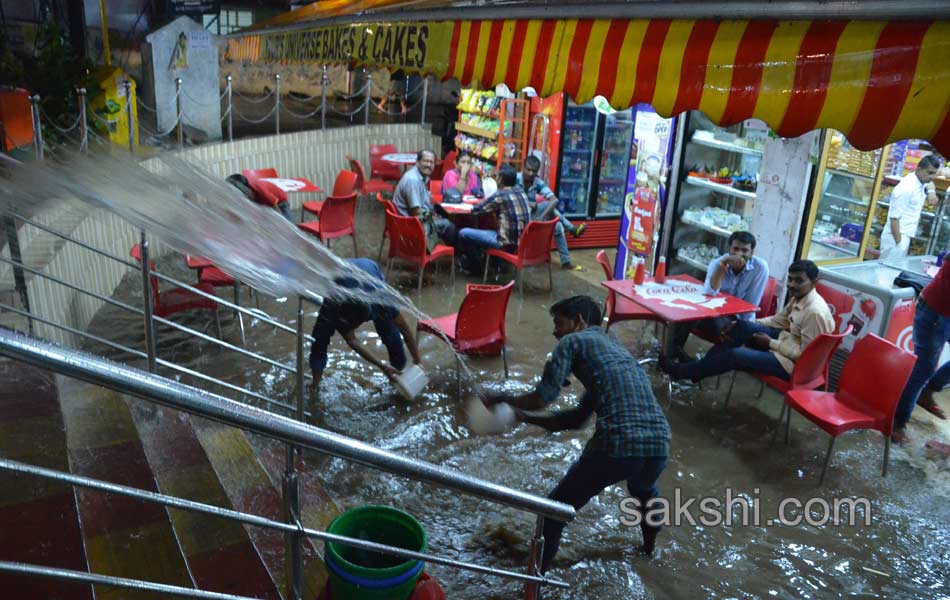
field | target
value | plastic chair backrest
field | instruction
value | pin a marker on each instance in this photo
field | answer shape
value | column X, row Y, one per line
column 407, row 239
column 337, row 214
column 267, row 193
column 878, row 394
column 357, row 168
column 136, row 253
column 811, row 368
column 767, row 303
column 482, row 314
column 435, row 191
column 609, row 274
column 388, row 205
column 252, row 174
column 829, row 295
column 535, row 243
column 345, row 183
column 377, row 167
column 448, row 163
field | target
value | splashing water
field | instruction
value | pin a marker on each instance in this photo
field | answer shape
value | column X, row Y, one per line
column 198, row 214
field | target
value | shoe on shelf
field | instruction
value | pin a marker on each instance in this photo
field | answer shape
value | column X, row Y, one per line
column 928, row 403
column 899, row 435
column 578, row 230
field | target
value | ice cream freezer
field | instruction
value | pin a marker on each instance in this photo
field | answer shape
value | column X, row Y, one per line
column 864, row 296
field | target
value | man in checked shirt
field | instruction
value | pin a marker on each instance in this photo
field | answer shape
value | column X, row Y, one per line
column 510, row 205
column 631, row 439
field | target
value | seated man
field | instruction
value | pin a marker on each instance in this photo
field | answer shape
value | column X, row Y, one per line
column 770, row 345
column 344, row 316
column 412, row 198
column 544, row 211
column 510, row 204
column 631, row 440
column 737, row 273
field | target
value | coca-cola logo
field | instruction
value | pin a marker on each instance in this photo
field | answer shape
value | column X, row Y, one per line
column 673, row 289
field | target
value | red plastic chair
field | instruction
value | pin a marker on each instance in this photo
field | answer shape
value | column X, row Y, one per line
column 388, row 206
column 343, row 185
column 435, row 191
column 177, row 299
column 336, row 220
column 448, row 163
column 252, row 174
column 368, row 187
column 810, row 371
column 862, row 401
column 379, row 169
column 619, row 308
column 478, row 328
column 407, row 241
column 534, row 248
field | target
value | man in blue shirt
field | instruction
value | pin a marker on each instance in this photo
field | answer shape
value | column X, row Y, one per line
column 739, row 273
column 544, row 211
column 345, row 316
column 631, row 440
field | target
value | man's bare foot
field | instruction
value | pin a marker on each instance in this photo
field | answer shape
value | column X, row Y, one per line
column 928, row 403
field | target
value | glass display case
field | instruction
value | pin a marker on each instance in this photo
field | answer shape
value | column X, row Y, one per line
column 578, row 140
column 901, row 159
column 716, row 194
column 843, row 202
column 614, row 163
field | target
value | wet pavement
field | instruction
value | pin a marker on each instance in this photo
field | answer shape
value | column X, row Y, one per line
column 903, row 553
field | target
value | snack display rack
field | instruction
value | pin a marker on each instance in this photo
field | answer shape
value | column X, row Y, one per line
column 493, row 130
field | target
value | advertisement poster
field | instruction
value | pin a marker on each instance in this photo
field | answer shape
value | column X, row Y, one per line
column 646, row 187
column 863, row 312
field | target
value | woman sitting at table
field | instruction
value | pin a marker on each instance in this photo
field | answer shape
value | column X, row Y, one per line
column 462, row 178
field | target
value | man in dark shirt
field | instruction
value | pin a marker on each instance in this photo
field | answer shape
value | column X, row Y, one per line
column 344, row 316
column 510, row 205
column 632, row 437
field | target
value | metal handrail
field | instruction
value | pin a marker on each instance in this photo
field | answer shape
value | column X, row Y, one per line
column 144, row 385
column 122, row 582
column 234, row 515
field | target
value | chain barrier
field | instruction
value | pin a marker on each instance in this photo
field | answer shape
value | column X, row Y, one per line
column 248, row 98
column 253, row 121
column 184, row 93
column 227, row 113
column 357, row 94
column 359, row 109
column 409, row 108
column 146, row 106
column 300, row 116
column 305, row 99
column 52, row 122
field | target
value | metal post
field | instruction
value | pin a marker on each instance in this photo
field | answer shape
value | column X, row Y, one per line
column 300, row 361
column 323, row 98
column 230, row 113
column 369, row 97
column 37, row 126
column 178, row 116
column 147, row 303
column 531, row 589
column 292, row 515
column 128, row 115
column 277, row 101
column 425, row 98
column 83, row 125
column 19, row 279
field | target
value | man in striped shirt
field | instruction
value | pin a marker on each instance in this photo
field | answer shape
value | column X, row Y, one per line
column 510, row 205
column 631, row 439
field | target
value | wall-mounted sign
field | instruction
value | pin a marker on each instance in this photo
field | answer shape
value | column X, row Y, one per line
column 193, row 7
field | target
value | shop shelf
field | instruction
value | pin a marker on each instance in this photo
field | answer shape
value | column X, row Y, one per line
column 728, row 146
column 923, row 213
column 847, row 199
column 472, row 130
column 849, row 174
column 850, row 250
column 710, row 228
column 586, row 124
column 718, row 187
column 691, row 262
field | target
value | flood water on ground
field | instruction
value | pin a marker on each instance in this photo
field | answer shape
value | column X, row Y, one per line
column 903, row 553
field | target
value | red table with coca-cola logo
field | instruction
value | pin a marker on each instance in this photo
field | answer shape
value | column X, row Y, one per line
column 680, row 299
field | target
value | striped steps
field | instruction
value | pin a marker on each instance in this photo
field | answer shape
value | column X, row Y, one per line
column 39, row 520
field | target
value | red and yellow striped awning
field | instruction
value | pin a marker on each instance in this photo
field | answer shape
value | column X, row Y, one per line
column 875, row 81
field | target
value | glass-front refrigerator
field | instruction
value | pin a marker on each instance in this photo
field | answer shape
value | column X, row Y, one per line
column 843, row 202
column 578, row 144
column 717, row 189
column 614, row 163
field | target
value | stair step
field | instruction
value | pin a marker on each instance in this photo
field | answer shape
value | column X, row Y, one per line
column 124, row 537
column 250, row 489
column 39, row 521
column 218, row 551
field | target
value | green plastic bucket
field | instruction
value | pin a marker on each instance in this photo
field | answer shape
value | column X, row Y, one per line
column 357, row 574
